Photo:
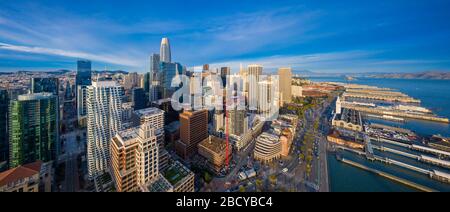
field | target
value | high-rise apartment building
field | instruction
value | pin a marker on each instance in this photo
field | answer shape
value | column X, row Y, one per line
column 253, row 76
column 33, row 129
column 134, row 158
column 267, row 98
column 154, row 117
column 103, row 122
column 285, row 84
column 237, row 121
column 193, row 130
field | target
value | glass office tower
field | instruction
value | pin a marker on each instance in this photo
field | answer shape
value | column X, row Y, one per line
column 33, row 129
column 4, row 144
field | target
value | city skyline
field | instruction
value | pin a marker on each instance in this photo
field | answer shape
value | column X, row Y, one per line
column 327, row 37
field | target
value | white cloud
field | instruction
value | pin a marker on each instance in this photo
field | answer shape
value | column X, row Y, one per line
column 72, row 54
column 335, row 62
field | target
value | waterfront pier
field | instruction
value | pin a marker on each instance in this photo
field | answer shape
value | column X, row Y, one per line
column 381, row 97
column 395, row 113
column 388, row 176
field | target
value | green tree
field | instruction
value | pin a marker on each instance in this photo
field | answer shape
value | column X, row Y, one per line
column 207, row 177
column 273, row 179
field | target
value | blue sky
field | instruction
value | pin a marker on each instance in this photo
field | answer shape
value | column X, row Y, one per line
column 321, row 36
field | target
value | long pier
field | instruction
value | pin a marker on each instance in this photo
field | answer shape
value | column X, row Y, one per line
column 389, row 98
column 378, row 92
column 415, row 147
column 422, row 158
column 396, row 113
column 434, row 174
column 389, row 176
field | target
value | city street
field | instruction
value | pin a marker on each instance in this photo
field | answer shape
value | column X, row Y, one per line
column 72, row 149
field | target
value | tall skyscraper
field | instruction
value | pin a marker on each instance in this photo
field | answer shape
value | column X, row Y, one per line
column 4, row 138
column 193, row 130
column 153, row 77
column 34, row 129
column 84, row 72
column 165, row 51
column 253, row 76
column 266, row 97
column 48, row 85
column 285, row 80
column 168, row 72
column 103, row 122
column 237, row 121
column 134, row 158
column 83, row 79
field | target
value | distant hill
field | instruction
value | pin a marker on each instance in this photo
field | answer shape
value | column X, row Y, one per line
column 422, row 75
column 111, row 72
column 306, row 73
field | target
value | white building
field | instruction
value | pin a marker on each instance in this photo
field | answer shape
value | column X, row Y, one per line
column 297, row 91
column 152, row 115
column 104, row 114
column 268, row 147
column 254, row 72
column 219, row 122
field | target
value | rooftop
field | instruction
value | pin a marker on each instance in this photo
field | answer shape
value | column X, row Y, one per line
column 34, row 96
column 350, row 116
column 21, row 172
column 104, row 84
column 268, row 138
column 176, row 172
column 149, row 111
column 125, row 136
column 217, row 145
column 160, row 185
